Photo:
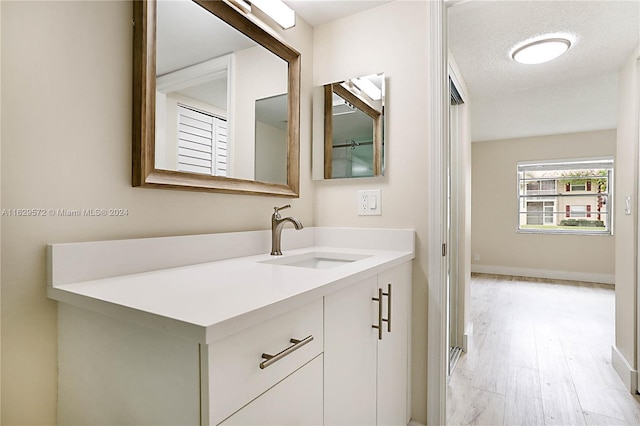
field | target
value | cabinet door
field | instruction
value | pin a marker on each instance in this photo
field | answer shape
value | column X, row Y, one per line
column 350, row 355
column 393, row 349
column 297, row 400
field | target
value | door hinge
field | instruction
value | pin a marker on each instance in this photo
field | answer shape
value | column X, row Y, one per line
column 444, row 249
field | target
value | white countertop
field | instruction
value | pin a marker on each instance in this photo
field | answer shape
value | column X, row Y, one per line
column 209, row 301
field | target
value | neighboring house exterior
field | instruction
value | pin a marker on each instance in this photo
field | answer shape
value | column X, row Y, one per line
column 561, row 201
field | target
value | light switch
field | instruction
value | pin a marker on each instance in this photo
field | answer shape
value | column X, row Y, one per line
column 373, row 201
column 369, row 203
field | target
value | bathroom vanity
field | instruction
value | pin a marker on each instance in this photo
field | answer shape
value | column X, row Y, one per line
column 211, row 329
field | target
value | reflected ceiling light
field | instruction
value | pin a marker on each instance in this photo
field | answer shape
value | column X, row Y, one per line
column 541, row 50
column 282, row 14
column 241, row 4
column 368, row 87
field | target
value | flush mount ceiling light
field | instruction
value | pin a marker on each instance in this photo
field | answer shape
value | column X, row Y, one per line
column 541, row 50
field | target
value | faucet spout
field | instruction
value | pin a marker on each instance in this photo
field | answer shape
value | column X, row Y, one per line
column 277, row 223
column 296, row 223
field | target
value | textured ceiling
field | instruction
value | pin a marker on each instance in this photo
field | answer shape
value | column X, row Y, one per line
column 482, row 33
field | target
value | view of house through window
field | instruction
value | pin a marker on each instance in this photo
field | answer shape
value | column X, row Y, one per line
column 565, row 196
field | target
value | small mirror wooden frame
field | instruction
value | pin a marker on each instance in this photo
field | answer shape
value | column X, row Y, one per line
column 375, row 115
column 144, row 172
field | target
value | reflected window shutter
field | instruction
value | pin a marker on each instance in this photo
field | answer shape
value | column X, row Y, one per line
column 202, row 142
column 221, row 148
column 568, row 211
column 567, row 187
column 588, row 185
column 589, row 210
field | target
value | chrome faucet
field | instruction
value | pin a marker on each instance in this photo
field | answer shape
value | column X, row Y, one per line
column 277, row 223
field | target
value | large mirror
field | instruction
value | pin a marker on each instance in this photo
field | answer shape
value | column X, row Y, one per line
column 351, row 114
column 216, row 100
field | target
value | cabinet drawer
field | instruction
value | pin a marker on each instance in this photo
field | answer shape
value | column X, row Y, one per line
column 297, row 400
column 231, row 367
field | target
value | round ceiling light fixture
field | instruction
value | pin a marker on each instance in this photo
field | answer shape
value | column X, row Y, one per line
column 541, row 50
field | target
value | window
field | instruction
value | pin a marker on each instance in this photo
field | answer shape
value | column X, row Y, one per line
column 540, row 212
column 577, row 211
column 565, row 196
column 581, row 186
column 539, row 187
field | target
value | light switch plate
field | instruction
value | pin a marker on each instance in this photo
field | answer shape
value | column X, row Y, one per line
column 369, row 202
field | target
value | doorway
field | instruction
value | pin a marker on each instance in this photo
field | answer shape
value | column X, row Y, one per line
column 545, row 210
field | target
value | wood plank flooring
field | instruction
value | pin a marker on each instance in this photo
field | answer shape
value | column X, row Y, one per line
column 540, row 355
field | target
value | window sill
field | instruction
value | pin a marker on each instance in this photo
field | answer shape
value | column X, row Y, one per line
column 562, row 232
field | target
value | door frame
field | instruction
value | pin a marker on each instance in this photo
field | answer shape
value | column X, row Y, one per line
column 637, row 213
column 437, row 358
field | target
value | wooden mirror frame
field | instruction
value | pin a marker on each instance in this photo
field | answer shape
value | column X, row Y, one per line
column 144, row 172
column 376, row 116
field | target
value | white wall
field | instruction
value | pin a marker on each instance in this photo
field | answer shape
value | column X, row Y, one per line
column 251, row 82
column 626, row 225
column 393, row 39
column 494, row 212
column 66, row 143
column 271, row 153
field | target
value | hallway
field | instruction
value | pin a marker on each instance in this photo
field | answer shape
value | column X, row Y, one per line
column 540, row 355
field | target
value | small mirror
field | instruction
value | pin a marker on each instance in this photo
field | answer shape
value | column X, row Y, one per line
column 216, row 100
column 351, row 114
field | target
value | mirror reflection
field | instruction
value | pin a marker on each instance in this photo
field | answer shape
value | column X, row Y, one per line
column 211, row 82
column 354, row 127
column 271, row 139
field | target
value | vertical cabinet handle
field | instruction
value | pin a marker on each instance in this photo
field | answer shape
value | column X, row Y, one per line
column 388, row 319
column 379, row 326
column 380, row 319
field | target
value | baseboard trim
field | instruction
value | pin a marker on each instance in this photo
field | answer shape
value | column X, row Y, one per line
column 624, row 369
column 544, row 273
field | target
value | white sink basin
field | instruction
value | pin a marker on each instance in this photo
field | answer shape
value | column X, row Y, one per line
column 317, row 260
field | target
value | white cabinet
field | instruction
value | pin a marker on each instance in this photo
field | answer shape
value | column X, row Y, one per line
column 328, row 363
column 116, row 372
column 232, row 376
column 350, row 360
column 366, row 368
column 393, row 349
column 297, row 400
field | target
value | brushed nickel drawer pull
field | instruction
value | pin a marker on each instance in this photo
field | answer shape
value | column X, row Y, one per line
column 379, row 326
column 297, row 344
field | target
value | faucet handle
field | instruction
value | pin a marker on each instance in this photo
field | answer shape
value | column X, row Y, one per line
column 276, row 210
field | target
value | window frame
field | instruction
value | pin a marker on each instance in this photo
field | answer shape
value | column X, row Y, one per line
column 522, row 198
